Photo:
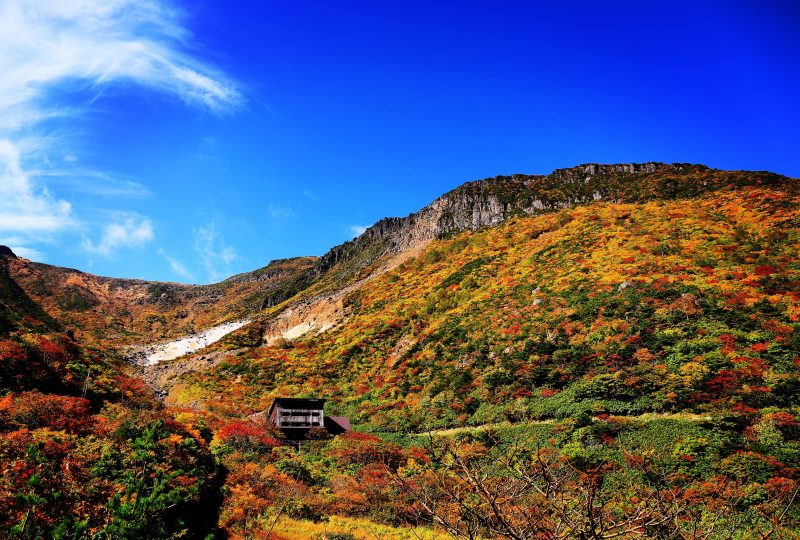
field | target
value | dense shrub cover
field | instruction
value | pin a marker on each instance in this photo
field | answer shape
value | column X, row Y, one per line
column 612, row 370
column 658, row 344
column 85, row 450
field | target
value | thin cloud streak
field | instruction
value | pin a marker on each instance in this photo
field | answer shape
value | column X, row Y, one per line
column 177, row 266
column 356, row 230
column 94, row 183
column 85, row 46
column 278, row 213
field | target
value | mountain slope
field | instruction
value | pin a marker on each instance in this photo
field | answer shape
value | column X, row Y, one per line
column 15, row 304
column 116, row 312
column 85, row 449
column 623, row 308
column 491, row 201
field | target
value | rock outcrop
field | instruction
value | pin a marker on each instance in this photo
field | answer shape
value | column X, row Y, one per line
column 489, row 202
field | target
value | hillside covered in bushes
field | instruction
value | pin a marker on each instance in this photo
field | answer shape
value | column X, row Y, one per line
column 604, row 352
column 653, row 345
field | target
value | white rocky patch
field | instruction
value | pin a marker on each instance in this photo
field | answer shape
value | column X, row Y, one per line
column 150, row 355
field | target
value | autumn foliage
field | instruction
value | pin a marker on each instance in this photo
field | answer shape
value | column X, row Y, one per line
column 598, row 320
column 620, row 369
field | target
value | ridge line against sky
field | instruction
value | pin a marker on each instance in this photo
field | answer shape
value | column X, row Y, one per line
column 191, row 141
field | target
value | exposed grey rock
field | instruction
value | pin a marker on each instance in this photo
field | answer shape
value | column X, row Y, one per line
column 489, row 202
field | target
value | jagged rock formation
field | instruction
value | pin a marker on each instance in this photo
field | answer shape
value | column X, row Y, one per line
column 491, row 201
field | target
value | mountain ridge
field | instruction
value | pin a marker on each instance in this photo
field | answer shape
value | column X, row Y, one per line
column 628, row 319
column 162, row 310
column 15, row 304
column 491, row 201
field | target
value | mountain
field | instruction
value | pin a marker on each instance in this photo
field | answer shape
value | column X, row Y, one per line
column 604, row 351
column 490, row 202
column 614, row 301
column 117, row 312
column 126, row 311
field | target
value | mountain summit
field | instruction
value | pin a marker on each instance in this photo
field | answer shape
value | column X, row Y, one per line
column 120, row 311
column 631, row 325
column 491, row 201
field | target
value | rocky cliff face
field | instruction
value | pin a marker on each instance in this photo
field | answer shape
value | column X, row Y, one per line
column 489, row 202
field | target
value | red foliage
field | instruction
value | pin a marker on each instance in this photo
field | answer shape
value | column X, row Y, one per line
column 523, row 393
column 34, row 409
column 362, row 449
column 134, row 390
column 247, row 436
column 744, row 410
column 765, row 270
column 12, row 353
column 513, row 330
column 780, row 487
column 727, row 381
column 783, row 419
column 728, row 342
column 51, row 352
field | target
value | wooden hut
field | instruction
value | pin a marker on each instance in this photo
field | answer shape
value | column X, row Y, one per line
column 296, row 417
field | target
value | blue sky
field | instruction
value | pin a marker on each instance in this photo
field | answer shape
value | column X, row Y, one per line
column 191, row 141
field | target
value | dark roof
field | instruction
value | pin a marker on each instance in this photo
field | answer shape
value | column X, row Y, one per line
column 341, row 421
column 299, row 403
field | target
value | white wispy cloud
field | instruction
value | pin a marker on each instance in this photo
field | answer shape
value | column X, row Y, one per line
column 209, row 245
column 127, row 232
column 100, row 42
column 26, row 211
column 356, row 230
column 84, row 46
column 279, row 213
column 177, row 266
column 28, row 253
column 93, row 183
